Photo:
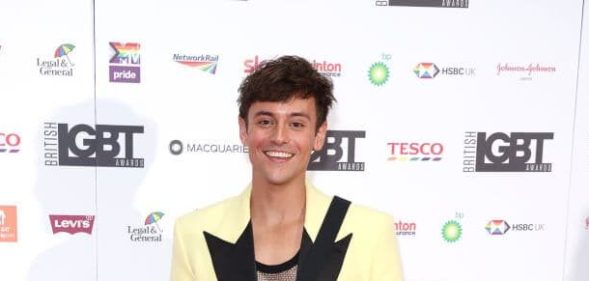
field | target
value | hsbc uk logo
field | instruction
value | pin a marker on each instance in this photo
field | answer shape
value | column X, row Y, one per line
column 415, row 151
column 71, row 224
column 505, row 152
column 84, row 145
column 429, row 70
column 338, row 152
column 501, row 227
column 125, row 64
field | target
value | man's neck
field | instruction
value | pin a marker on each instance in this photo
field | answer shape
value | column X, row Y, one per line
column 272, row 204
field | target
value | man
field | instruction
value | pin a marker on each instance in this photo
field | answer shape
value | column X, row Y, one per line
column 282, row 228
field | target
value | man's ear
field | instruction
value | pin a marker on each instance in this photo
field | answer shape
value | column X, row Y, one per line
column 320, row 137
column 242, row 130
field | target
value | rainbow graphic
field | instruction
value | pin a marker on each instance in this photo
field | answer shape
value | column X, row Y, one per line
column 426, row 70
column 206, row 63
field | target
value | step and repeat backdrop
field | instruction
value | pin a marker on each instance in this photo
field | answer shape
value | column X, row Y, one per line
column 468, row 121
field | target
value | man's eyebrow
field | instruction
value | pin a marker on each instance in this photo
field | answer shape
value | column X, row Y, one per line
column 294, row 114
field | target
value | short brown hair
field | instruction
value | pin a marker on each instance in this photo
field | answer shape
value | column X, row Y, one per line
column 284, row 78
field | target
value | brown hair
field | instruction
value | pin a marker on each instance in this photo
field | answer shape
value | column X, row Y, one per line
column 284, row 78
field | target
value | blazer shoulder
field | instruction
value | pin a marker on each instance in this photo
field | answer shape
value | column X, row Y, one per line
column 207, row 217
column 365, row 221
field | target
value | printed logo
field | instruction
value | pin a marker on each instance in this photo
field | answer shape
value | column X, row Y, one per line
column 424, row 3
column 8, row 224
column 337, row 155
column 150, row 231
column 414, row 151
column 379, row 73
column 206, row 63
column 502, row 152
column 60, row 64
column 405, row 228
column 524, row 72
column 451, row 231
column 497, row 227
column 9, row 142
column 327, row 68
column 84, row 145
column 428, row 70
column 125, row 64
column 500, row 227
column 587, row 223
column 177, row 147
column 71, row 224
column 252, row 65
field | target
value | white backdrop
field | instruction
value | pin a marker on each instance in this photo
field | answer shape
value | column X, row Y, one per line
column 168, row 73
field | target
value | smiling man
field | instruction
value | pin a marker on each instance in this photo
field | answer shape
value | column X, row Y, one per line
column 281, row 228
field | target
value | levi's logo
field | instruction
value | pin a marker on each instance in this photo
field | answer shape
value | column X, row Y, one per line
column 71, row 224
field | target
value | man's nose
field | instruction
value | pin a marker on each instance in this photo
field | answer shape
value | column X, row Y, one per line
column 280, row 134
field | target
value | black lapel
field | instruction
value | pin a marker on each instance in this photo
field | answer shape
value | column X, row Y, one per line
column 323, row 260
column 233, row 262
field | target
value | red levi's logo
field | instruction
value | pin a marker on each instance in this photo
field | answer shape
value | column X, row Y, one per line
column 71, row 224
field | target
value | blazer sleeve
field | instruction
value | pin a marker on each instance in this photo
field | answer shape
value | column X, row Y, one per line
column 386, row 263
column 181, row 269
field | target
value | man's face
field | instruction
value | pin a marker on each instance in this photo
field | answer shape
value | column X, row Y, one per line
column 280, row 137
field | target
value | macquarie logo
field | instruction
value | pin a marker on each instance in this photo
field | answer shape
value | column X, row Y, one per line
column 501, row 227
column 149, row 230
column 94, row 146
column 505, row 152
column 429, row 70
column 60, row 64
column 415, row 151
column 524, row 71
column 206, row 63
column 71, row 224
column 125, row 64
column 405, row 228
column 9, row 142
column 8, row 224
column 178, row 147
column 424, row 3
column 338, row 152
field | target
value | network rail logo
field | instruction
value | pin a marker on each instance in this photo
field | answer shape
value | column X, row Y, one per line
column 424, row 3
column 205, row 62
column 125, row 64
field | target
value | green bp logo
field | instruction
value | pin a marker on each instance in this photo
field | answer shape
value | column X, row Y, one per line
column 378, row 74
column 451, row 231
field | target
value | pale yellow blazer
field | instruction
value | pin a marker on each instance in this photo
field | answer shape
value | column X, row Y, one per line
column 371, row 255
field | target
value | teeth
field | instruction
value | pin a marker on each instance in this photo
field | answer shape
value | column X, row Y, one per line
column 279, row 154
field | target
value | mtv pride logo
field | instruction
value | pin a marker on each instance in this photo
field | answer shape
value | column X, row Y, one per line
column 125, row 63
column 71, row 224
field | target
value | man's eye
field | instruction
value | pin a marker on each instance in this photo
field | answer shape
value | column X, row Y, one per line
column 297, row 125
column 265, row 122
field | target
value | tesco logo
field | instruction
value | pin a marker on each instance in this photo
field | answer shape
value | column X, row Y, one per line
column 9, row 142
column 414, row 148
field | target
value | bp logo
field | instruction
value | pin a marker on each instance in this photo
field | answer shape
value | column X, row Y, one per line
column 451, row 231
column 378, row 74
